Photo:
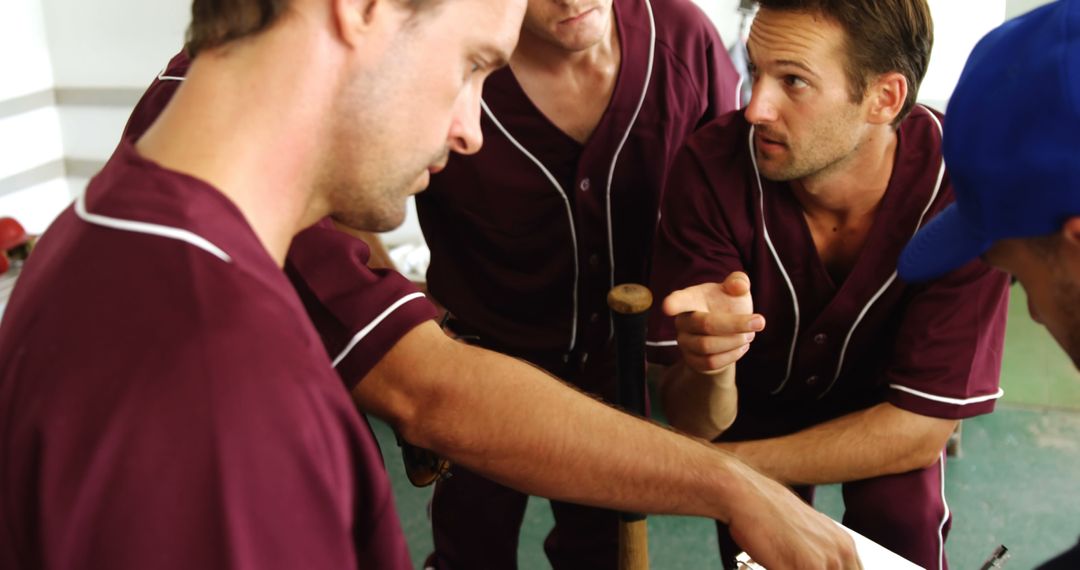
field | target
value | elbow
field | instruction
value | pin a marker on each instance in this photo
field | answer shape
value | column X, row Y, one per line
column 932, row 444
column 924, row 458
column 424, row 422
column 407, row 422
column 410, row 395
column 441, row 406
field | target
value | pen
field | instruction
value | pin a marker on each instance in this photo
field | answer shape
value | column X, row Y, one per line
column 997, row 558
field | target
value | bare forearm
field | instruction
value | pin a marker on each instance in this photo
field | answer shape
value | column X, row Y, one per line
column 881, row 440
column 703, row 405
column 515, row 424
column 519, row 426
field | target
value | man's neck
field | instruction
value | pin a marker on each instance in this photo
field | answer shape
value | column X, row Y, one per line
column 225, row 126
column 853, row 187
column 840, row 203
column 535, row 52
column 571, row 88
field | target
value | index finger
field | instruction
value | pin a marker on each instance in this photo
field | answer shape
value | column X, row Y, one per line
column 718, row 324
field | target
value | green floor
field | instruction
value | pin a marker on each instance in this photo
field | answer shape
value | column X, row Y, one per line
column 1016, row 482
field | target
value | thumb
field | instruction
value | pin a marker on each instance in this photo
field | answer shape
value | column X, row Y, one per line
column 737, row 284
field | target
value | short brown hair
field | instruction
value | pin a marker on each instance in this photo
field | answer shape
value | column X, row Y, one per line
column 217, row 22
column 882, row 36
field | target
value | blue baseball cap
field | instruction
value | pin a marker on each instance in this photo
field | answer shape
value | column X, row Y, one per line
column 1012, row 142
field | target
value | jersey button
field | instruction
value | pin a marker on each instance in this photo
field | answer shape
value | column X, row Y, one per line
column 594, row 317
column 584, row 184
column 594, row 261
column 812, row 380
column 820, row 338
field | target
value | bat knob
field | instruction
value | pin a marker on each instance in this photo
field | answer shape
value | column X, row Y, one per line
column 629, row 299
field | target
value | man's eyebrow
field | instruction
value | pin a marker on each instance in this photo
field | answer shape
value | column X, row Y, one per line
column 798, row 64
column 782, row 62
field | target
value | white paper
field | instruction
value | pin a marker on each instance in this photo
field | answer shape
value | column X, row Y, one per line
column 872, row 555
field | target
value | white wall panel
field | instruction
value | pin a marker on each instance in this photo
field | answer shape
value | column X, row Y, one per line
column 92, row 132
column 28, row 140
column 37, row 206
column 1014, row 8
column 24, row 53
column 958, row 26
column 77, row 185
column 724, row 16
column 113, row 43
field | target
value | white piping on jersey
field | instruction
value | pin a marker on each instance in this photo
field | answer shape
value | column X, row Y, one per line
column 562, row 192
column 148, row 228
column 946, row 400
column 892, row 278
column 780, row 264
column 569, row 214
column 162, row 77
column 661, row 343
column 626, row 135
column 374, row 323
column 945, row 516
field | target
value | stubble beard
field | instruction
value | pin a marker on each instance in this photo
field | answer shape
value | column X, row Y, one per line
column 803, row 165
column 811, row 158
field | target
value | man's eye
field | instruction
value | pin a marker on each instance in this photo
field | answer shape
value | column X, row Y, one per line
column 795, row 81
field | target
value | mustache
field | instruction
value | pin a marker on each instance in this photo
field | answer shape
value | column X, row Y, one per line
column 770, row 135
column 575, row 11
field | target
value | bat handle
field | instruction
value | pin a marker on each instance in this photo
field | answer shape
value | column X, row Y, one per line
column 630, row 305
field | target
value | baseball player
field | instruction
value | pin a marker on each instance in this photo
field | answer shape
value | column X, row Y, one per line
column 166, row 402
column 1014, row 169
column 786, row 222
column 528, row 235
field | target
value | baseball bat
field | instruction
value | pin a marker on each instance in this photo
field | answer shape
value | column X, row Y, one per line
column 629, row 304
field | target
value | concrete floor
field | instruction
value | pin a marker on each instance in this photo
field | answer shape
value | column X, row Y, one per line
column 1015, row 483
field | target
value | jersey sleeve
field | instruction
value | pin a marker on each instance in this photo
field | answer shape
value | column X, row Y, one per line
column 947, row 357
column 359, row 313
column 694, row 244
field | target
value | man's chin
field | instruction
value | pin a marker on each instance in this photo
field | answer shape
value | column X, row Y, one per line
column 774, row 173
column 370, row 221
column 421, row 183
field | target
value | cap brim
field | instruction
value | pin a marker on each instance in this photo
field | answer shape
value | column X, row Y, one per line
column 943, row 244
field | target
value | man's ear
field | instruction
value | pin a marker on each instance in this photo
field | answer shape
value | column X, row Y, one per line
column 1070, row 231
column 354, row 19
column 886, row 96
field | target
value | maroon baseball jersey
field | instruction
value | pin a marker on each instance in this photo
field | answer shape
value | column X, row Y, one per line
column 166, row 403
column 359, row 313
column 830, row 348
column 528, row 235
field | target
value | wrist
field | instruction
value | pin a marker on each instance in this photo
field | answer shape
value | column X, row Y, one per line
column 721, row 377
column 734, row 482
